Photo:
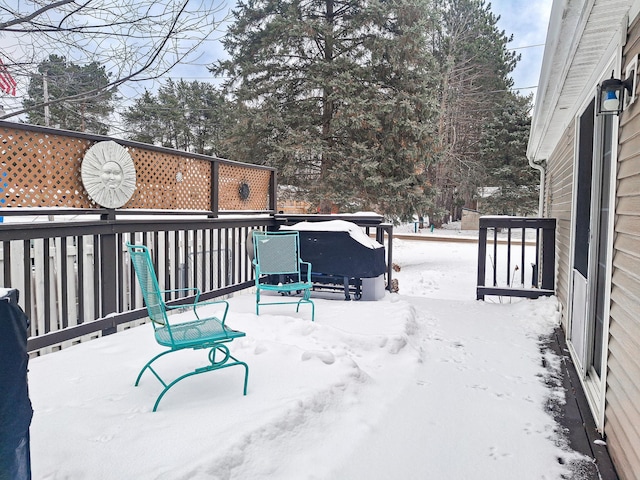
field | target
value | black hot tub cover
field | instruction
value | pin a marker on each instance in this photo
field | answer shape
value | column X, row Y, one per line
column 340, row 248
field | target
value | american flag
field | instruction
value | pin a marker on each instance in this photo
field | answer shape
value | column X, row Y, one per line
column 7, row 83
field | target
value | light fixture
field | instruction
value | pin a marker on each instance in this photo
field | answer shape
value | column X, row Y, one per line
column 611, row 94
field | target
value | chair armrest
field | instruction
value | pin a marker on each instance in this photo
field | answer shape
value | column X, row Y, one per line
column 308, row 270
column 197, row 305
column 187, row 289
column 257, row 268
column 212, row 302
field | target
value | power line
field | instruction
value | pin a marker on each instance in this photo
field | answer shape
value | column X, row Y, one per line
column 528, row 46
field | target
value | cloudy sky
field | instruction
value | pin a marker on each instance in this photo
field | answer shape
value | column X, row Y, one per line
column 527, row 20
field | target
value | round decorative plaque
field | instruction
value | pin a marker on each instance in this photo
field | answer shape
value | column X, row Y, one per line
column 108, row 174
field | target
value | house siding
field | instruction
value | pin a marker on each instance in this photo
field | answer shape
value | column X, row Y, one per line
column 559, row 189
column 622, row 408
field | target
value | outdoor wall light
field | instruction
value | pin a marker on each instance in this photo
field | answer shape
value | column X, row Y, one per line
column 611, row 94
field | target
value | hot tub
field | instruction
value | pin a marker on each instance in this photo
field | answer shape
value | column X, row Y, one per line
column 341, row 255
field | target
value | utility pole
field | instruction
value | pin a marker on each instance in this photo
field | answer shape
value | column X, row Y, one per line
column 45, row 94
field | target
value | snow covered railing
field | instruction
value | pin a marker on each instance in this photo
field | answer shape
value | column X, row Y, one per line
column 522, row 257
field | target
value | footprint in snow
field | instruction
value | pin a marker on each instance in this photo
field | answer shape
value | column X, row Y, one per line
column 325, row 357
column 103, row 438
column 496, row 455
column 479, row 387
column 260, row 348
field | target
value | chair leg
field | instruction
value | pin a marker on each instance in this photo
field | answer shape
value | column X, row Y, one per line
column 148, row 365
column 258, row 301
column 246, row 373
column 306, row 300
column 306, row 296
column 215, row 365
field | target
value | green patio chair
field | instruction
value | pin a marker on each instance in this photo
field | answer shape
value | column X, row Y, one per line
column 276, row 257
column 199, row 333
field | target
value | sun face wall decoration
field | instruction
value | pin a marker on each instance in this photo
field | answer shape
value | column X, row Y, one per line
column 108, row 174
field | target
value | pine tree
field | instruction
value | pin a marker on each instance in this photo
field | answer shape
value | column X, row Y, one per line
column 503, row 153
column 190, row 116
column 59, row 79
column 142, row 119
column 340, row 98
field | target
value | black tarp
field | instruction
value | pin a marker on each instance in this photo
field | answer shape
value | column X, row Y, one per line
column 15, row 405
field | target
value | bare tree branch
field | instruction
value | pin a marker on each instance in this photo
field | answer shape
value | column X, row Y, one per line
column 22, row 20
column 136, row 40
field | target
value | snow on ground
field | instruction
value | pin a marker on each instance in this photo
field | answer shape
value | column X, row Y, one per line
column 426, row 384
column 454, row 230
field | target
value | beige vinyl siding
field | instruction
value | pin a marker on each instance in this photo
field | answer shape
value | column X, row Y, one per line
column 622, row 409
column 559, row 190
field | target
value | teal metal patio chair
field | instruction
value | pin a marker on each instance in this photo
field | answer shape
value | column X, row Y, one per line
column 199, row 333
column 276, row 258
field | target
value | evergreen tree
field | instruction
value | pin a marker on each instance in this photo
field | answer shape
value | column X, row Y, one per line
column 503, row 153
column 142, row 119
column 339, row 95
column 190, row 116
column 59, row 79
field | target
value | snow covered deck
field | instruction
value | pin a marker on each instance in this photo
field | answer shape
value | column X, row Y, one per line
column 427, row 383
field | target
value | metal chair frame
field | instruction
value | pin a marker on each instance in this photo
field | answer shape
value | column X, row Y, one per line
column 277, row 256
column 201, row 333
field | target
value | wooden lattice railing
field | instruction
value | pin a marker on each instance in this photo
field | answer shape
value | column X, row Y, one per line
column 41, row 167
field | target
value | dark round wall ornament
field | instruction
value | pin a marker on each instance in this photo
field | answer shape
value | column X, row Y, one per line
column 244, row 191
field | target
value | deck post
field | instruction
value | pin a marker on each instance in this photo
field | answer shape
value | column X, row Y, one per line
column 108, row 276
column 548, row 255
column 482, row 260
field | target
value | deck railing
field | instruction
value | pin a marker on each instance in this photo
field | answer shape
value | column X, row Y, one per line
column 41, row 167
column 65, row 253
column 521, row 255
column 75, row 279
